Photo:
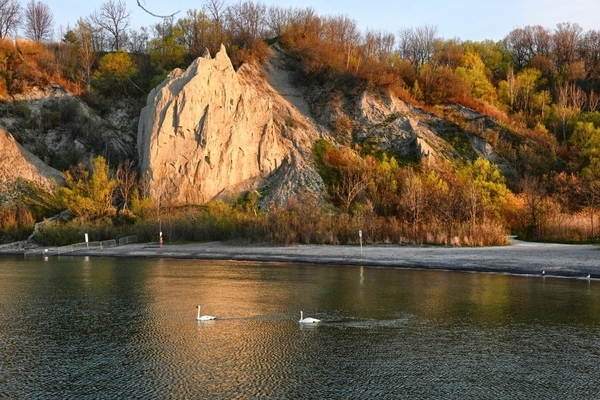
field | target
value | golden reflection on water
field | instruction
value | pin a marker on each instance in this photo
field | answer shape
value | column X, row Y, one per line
column 256, row 312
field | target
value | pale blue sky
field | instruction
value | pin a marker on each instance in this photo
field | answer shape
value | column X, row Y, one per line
column 465, row 19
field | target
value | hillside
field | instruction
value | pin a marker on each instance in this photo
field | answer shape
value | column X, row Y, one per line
column 381, row 122
column 340, row 154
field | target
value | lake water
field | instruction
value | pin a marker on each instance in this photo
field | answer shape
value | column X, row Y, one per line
column 76, row 328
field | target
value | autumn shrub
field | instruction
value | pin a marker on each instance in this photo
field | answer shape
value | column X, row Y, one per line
column 257, row 53
column 571, row 228
column 16, row 222
column 45, row 60
column 441, row 85
column 343, row 129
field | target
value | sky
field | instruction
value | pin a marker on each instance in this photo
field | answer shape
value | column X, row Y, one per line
column 475, row 20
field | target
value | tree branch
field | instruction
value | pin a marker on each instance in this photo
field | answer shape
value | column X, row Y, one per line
column 155, row 15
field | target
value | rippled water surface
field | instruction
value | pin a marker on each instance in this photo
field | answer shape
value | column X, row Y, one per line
column 116, row 328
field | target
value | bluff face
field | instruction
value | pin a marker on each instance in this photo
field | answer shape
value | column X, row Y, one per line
column 17, row 162
column 209, row 130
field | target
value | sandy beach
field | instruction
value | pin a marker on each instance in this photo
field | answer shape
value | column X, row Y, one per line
column 520, row 258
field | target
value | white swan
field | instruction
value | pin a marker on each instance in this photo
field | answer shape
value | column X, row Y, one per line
column 307, row 320
column 204, row 317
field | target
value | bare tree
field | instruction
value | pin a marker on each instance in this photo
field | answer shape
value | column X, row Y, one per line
column 114, row 18
column 525, row 44
column 127, row 179
column 570, row 101
column 246, row 22
column 536, row 208
column 378, row 45
column 593, row 101
column 565, row 39
column 10, row 17
column 137, row 41
column 195, row 31
column 417, row 44
column 216, row 10
column 541, row 41
column 98, row 37
column 578, row 98
column 278, row 19
column 516, row 43
column 513, row 86
column 565, row 111
column 38, row 21
column 87, row 54
column 353, row 172
column 344, row 34
column 589, row 51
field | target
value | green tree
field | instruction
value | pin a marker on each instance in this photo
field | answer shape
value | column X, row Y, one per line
column 487, row 192
column 166, row 49
column 412, row 200
column 528, row 82
column 384, row 189
column 88, row 192
column 195, row 31
column 473, row 72
column 586, row 138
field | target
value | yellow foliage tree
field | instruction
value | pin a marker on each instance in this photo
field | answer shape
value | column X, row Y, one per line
column 88, row 193
column 473, row 73
column 115, row 71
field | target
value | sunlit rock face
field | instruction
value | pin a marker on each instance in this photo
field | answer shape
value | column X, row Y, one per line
column 209, row 130
column 17, row 162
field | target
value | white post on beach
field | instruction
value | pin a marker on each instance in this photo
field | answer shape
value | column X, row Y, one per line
column 360, row 240
column 87, row 244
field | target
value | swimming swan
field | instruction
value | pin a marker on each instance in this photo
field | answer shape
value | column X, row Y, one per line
column 204, row 317
column 308, row 320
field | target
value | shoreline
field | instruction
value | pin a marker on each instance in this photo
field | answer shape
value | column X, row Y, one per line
column 522, row 258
